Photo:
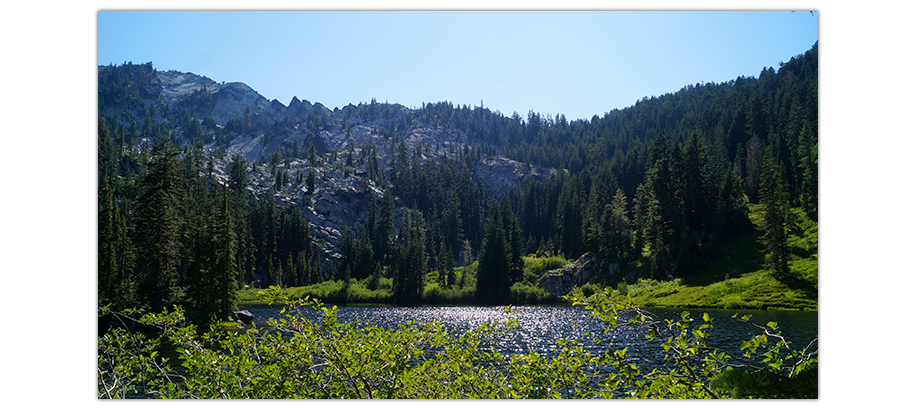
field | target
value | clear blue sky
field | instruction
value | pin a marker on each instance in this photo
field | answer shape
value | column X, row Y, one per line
column 577, row 63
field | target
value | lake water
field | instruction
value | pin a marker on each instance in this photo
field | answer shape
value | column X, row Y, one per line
column 542, row 325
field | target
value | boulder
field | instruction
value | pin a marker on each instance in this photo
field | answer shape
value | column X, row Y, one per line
column 243, row 316
column 194, row 316
column 560, row 281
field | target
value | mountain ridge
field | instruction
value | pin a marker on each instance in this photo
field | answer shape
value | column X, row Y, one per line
column 343, row 192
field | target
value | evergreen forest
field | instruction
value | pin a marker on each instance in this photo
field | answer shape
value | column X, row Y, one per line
column 663, row 188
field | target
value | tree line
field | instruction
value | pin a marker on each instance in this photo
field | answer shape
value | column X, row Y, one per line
column 170, row 232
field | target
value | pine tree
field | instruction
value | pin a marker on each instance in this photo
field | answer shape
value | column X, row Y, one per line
column 492, row 286
column 311, row 181
column 311, row 156
column 568, row 213
column 383, row 227
column 222, row 277
column 615, row 228
column 115, row 253
column 157, row 226
column 346, row 252
column 698, row 191
column 444, row 269
column 661, row 202
column 290, row 272
column 732, row 205
column 809, row 168
column 776, row 215
column 409, row 276
column 303, row 269
column 514, row 241
column 374, row 279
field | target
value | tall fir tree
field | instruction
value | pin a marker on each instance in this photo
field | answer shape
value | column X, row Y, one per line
column 492, row 286
column 775, row 215
column 568, row 213
column 410, row 268
column 514, row 241
column 158, row 226
column 615, row 228
column 115, row 252
column 809, row 172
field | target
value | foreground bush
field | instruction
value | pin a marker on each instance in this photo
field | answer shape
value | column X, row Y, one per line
column 309, row 354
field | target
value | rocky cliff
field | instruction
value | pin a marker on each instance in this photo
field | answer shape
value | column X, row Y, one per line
column 270, row 129
column 499, row 174
column 591, row 268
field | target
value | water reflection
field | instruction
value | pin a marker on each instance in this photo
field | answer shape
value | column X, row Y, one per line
column 541, row 326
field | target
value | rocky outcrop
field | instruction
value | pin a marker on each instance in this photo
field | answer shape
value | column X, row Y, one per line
column 561, row 281
column 500, row 174
column 343, row 191
column 177, row 85
column 243, row 316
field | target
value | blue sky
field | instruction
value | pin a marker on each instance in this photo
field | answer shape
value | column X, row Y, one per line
column 575, row 63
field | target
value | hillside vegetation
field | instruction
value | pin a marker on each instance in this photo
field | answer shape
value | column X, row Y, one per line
column 205, row 188
column 738, row 278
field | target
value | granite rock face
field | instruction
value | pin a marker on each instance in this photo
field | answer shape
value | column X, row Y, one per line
column 340, row 136
column 561, row 281
column 499, row 174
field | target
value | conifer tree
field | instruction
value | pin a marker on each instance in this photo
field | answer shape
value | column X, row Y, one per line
column 732, row 205
column 660, row 200
column 383, row 227
column 303, row 269
column 115, row 253
column 776, row 215
column 311, row 156
column 568, row 222
column 219, row 278
column 809, row 177
column 347, row 251
column 409, row 276
column 157, row 226
column 492, row 286
column 514, row 241
column 245, row 251
column 310, row 181
column 615, row 228
column 290, row 272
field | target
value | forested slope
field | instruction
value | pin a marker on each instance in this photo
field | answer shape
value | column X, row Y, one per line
column 204, row 187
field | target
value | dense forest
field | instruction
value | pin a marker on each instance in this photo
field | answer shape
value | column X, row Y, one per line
column 666, row 181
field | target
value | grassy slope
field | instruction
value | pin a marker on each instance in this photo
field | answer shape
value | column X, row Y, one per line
column 737, row 280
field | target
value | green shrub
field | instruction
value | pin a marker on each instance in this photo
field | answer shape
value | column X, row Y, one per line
column 622, row 288
column 436, row 295
column 587, row 290
column 537, row 266
column 522, row 294
column 318, row 357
